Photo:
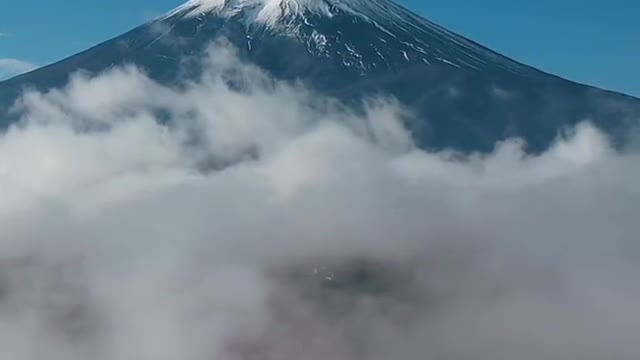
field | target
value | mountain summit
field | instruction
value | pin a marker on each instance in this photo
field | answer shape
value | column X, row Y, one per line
column 388, row 35
column 462, row 95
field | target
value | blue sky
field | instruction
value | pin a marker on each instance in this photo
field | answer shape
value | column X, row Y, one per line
column 589, row 41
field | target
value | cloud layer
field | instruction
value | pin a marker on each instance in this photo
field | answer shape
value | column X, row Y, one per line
column 206, row 222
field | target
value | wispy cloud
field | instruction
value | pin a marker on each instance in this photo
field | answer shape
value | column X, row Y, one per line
column 4, row 35
column 13, row 67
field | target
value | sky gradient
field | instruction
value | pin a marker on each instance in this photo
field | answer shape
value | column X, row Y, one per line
column 586, row 41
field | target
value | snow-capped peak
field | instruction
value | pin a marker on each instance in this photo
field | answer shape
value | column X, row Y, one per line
column 268, row 12
column 396, row 35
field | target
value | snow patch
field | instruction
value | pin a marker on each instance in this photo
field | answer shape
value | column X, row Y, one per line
column 269, row 12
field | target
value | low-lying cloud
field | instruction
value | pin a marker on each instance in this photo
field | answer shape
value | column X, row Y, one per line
column 139, row 221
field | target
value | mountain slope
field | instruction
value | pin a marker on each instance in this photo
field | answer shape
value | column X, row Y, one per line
column 462, row 94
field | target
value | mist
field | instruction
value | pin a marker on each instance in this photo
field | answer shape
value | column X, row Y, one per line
column 237, row 217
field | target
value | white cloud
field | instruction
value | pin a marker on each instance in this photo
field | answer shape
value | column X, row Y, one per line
column 13, row 67
column 3, row 35
column 122, row 237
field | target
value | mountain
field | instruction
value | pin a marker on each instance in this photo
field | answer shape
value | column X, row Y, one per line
column 462, row 94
